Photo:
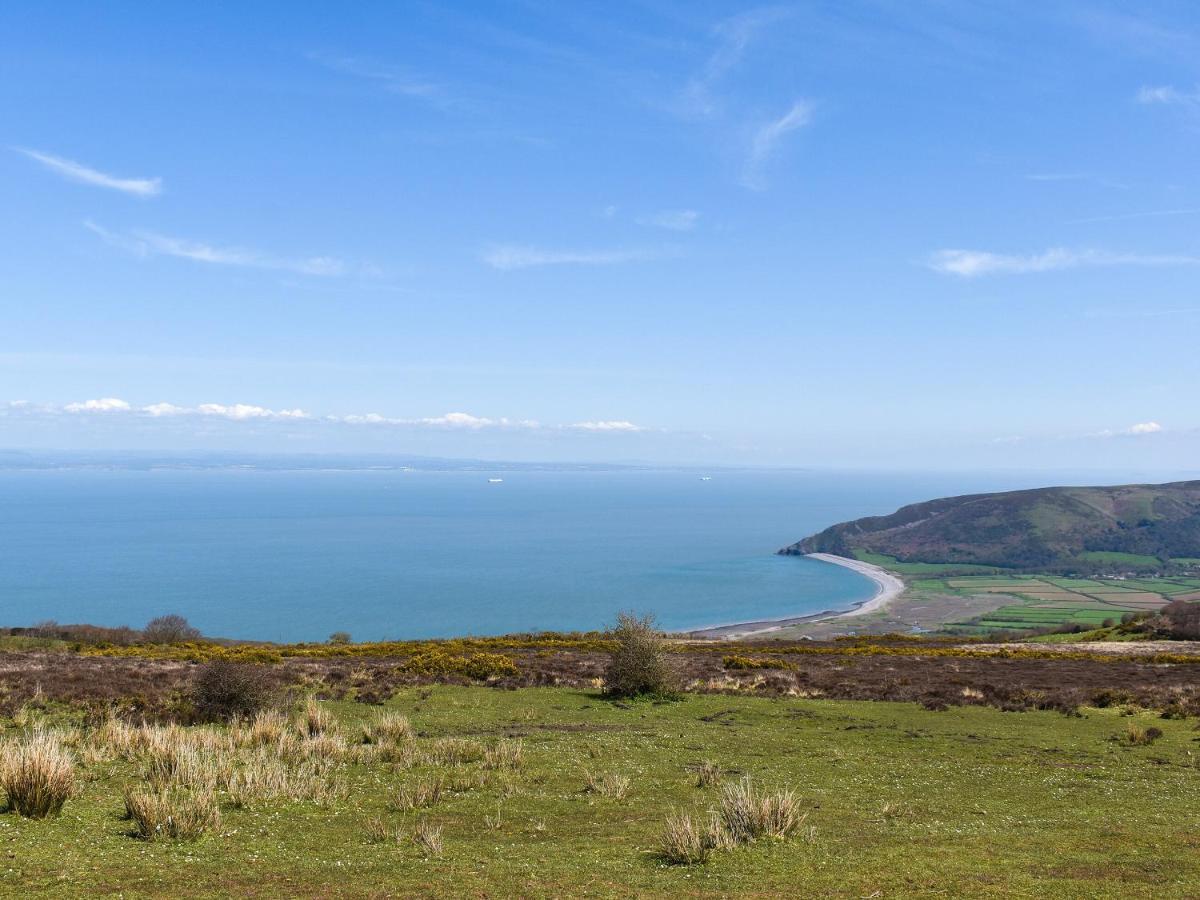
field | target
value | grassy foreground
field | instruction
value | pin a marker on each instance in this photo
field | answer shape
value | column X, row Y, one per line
column 900, row 801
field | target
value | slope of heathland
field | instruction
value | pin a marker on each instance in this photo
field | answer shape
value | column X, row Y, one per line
column 1137, row 527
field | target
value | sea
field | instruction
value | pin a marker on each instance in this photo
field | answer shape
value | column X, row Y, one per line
column 389, row 554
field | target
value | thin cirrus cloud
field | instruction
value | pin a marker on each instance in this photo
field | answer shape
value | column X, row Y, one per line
column 507, row 257
column 114, row 407
column 1168, row 95
column 734, row 36
column 1141, row 429
column 149, row 243
column 977, row 263
column 766, row 140
column 391, row 78
column 75, row 171
column 672, row 219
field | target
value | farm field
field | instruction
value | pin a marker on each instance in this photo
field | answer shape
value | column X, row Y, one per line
column 1042, row 601
column 897, row 800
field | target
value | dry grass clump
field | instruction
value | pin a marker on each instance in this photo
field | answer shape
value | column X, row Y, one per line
column 424, row 792
column 315, row 720
column 183, row 763
column 268, row 727
column 504, row 754
column 378, row 831
column 38, row 774
column 1137, row 735
column 708, row 773
column 685, row 843
column 172, row 814
column 747, row 815
column 453, row 752
column 606, row 785
column 429, row 838
column 390, row 728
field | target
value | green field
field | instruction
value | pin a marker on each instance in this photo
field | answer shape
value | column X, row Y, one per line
column 900, row 801
column 1114, row 558
column 902, row 568
column 1041, row 601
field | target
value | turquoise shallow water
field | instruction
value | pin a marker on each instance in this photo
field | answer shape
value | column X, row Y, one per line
column 381, row 554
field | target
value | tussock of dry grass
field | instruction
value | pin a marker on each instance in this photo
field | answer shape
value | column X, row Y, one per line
column 38, row 774
column 424, row 792
column 389, row 728
column 173, row 814
column 607, row 785
column 748, row 815
column 315, row 720
column 681, row 842
column 453, row 752
column 379, row 831
column 505, row 754
column 708, row 773
column 429, row 838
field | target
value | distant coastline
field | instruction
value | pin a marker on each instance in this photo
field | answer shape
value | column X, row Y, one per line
column 888, row 588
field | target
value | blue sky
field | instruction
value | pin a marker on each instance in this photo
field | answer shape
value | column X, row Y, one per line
column 867, row 234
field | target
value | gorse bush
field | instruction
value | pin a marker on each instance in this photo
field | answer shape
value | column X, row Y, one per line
column 478, row 666
column 639, row 663
column 37, row 774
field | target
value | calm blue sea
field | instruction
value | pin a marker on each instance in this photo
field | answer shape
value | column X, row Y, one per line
column 393, row 554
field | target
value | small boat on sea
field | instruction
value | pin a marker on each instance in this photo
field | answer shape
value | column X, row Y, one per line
column 706, row 478
column 495, row 480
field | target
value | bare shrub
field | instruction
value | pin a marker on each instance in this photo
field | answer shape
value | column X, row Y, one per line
column 222, row 690
column 37, row 774
column 172, row 629
column 340, row 638
column 606, row 785
column 429, row 838
column 1182, row 620
column 747, row 815
column 639, row 664
column 173, row 814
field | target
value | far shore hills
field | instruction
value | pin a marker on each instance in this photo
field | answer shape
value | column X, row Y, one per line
column 1017, row 559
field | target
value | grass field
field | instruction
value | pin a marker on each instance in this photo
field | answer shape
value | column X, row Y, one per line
column 1041, row 601
column 899, row 801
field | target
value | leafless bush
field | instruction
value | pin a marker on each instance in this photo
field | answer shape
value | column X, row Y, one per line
column 223, row 690
column 172, row 629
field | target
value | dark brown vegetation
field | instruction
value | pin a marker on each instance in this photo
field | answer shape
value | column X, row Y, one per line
column 933, row 673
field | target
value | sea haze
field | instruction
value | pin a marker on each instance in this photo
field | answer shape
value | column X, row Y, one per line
column 287, row 555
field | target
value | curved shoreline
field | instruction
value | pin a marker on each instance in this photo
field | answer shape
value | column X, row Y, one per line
column 887, row 588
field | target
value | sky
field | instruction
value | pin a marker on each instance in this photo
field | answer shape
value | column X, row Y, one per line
column 863, row 234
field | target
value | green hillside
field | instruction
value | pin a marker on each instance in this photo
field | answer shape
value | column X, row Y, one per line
column 1139, row 528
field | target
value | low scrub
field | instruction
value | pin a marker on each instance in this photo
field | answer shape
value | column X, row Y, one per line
column 437, row 662
column 38, row 775
column 755, row 662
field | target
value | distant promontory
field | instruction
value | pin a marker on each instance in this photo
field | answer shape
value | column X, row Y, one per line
column 1136, row 527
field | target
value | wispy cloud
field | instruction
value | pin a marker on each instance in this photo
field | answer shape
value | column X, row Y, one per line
column 141, row 187
column 148, row 243
column 391, row 78
column 513, row 256
column 766, row 140
column 607, row 425
column 674, row 220
column 734, row 36
column 1121, row 217
column 975, row 263
column 1166, row 94
column 104, row 404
